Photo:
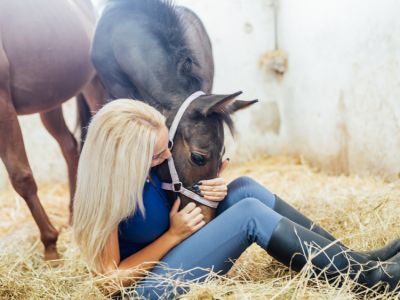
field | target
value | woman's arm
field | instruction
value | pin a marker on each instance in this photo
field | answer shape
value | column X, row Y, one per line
column 134, row 266
column 183, row 224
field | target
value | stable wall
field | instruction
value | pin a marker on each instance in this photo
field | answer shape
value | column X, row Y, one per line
column 337, row 105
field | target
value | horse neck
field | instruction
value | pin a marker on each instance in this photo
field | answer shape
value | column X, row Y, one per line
column 168, row 102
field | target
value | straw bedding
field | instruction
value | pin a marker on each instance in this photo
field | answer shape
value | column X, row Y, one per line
column 361, row 211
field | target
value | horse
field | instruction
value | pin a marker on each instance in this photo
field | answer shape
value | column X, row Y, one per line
column 44, row 61
column 160, row 53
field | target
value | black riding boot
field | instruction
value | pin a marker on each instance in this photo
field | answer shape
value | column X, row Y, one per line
column 292, row 244
column 284, row 209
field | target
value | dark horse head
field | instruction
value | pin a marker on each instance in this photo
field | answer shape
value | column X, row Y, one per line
column 159, row 53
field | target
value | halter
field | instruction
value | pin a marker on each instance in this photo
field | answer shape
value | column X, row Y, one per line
column 176, row 185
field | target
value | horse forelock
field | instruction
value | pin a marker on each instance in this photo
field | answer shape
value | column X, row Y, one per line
column 220, row 117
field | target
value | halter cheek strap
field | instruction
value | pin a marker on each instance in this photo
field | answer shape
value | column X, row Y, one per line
column 176, row 184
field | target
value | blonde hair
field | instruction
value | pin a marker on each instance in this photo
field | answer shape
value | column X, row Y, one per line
column 112, row 170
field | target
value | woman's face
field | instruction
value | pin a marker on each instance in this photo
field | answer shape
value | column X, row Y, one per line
column 161, row 151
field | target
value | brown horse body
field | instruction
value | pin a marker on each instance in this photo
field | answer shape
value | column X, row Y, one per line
column 44, row 61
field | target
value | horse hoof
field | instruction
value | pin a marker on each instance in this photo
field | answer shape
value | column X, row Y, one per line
column 51, row 256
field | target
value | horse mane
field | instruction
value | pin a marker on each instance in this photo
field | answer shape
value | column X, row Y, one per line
column 164, row 23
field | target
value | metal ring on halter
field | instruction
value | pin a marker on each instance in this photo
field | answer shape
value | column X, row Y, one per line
column 170, row 145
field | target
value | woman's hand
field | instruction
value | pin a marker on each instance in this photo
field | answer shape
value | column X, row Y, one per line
column 186, row 221
column 213, row 189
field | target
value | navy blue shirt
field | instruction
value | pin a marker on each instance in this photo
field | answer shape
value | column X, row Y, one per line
column 137, row 231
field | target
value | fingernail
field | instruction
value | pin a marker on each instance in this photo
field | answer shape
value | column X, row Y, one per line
column 195, row 186
column 199, row 183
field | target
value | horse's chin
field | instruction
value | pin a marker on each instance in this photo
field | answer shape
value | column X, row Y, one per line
column 208, row 212
column 164, row 175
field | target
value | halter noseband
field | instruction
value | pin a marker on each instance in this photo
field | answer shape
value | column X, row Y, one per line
column 176, row 185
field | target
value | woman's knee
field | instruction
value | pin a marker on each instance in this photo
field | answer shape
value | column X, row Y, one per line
column 241, row 187
column 247, row 184
column 240, row 182
column 247, row 187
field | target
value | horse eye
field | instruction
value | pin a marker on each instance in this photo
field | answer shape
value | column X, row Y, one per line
column 198, row 159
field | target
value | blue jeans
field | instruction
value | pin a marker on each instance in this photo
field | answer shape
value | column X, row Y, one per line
column 245, row 216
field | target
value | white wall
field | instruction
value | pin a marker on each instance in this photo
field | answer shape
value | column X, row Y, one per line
column 241, row 32
column 338, row 105
column 339, row 102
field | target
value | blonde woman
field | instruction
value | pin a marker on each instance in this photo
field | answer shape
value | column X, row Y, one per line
column 124, row 222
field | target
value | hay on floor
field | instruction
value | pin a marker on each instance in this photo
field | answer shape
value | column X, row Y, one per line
column 361, row 211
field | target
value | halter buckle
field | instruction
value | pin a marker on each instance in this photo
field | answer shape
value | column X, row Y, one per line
column 177, row 187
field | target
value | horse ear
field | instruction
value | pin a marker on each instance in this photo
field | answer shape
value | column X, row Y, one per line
column 240, row 104
column 223, row 104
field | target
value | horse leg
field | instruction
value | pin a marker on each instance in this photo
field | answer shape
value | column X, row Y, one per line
column 12, row 152
column 95, row 94
column 55, row 124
